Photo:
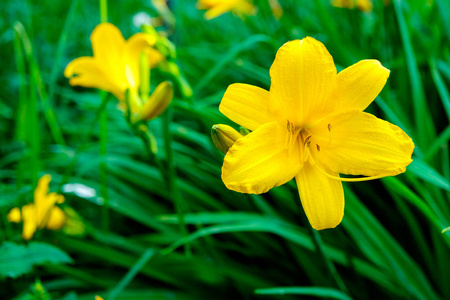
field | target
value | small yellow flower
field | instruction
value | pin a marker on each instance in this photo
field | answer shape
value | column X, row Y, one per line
column 41, row 213
column 311, row 126
column 216, row 8
column 116, row 68
column 362, row 5
column 224, row 137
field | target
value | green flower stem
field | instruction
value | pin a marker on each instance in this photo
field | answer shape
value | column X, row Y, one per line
column 320, row 248
column 172, row 180
column 151, row 148
column 104, row 140
column 103, row 11
column 329, row 264
column 103, row 165
column 21, row 116
column 132, row 272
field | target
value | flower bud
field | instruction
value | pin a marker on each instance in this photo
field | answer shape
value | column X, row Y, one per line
column 224, row 136
column 158, row 101
column 244, row 131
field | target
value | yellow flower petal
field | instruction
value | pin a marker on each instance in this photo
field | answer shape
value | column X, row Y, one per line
column 246, row 105
column 57, row 219
column 364, row 5
column 343, row 3
column 108, row 46
column 41, row 190
column 360, row 84
column 43, row 201
column 14, row 215
column 322, row 198
column 245, row 8
column 87, row 72
column 217, row 10
column 158, row 101
column 29, row 221
column 362, row 144
column 134, row 47
column 260, row 161
column 204, row 4
column 154, row 57
column 303, row 76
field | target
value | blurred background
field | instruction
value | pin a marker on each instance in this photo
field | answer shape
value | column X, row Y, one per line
column 164, row 226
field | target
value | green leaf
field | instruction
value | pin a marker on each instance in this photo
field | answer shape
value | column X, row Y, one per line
column 428, row 174
column 16, row 259
column 309, row 291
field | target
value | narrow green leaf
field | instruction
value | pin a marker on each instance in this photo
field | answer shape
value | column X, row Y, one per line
column 306, row 291
column 233, row 52
column 426, row 130
column 425, row 172
column 125, row 281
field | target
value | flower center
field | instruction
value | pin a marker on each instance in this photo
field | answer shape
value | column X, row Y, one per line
column 302, row 137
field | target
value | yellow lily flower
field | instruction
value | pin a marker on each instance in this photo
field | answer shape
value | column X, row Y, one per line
column 115, row 66
column 216, row 8
column 42, row 213
column 311, row 126
column 362, row 5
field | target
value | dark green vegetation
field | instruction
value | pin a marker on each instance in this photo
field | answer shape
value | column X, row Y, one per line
column 389, row 245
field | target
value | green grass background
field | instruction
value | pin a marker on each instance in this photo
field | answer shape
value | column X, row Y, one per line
column 389, row 245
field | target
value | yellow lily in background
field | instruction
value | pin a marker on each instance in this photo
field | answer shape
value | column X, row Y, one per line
column 216, row 8
column 42, row 213
column 311, row 126
column 116, row 68
column 362, row 5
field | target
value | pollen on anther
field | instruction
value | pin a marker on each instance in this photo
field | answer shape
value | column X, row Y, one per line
column 318, row 147
column 329, row 127
column 307, row 140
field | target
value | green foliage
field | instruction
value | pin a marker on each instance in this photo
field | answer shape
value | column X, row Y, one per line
column 159, row 222
column 16, row 260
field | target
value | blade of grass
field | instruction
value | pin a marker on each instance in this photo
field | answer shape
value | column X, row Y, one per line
column 438, row 143
column 32, row 117
column 383, row 250
column 104, row 140
column 306, row 291
column 22, row 110
column 172, row 180
column 396, row 186
column 428, row 174
column 69, row 20
column 426, row 131
column 103, row 165
column 232, row 53
column 38, row 85
column 134, row 270
column 440, row 85
column 292, row 234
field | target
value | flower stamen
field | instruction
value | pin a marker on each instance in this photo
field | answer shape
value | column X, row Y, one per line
column 329, row 135
column 306, row 149
column 350, row 179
